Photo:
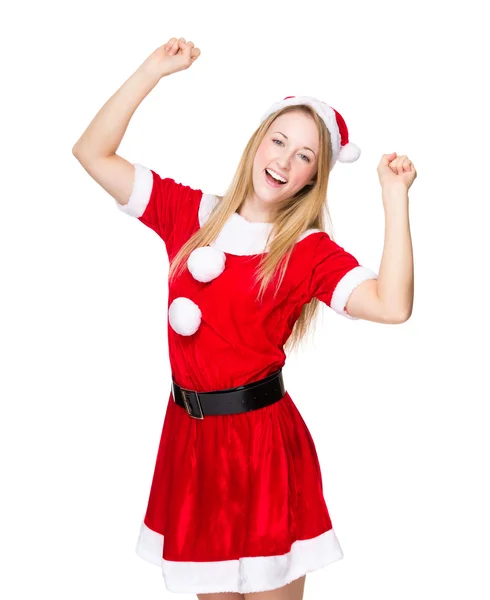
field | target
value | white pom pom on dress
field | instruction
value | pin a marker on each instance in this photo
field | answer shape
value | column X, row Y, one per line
column 184, row 316
column 206, row 263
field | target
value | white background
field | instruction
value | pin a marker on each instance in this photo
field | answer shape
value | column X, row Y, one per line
column 399, row 413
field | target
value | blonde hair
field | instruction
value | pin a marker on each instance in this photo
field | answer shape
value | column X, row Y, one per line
column 293, row 216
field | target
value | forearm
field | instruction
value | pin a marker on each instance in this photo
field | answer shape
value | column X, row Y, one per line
column 395, row 277
column 104, row 134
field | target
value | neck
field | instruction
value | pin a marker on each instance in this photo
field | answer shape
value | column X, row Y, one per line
column 256, row 211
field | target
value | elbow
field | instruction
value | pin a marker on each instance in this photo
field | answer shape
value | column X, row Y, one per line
column 86, row 156
column 80, row 150
column 402, row 317
column 75, row 151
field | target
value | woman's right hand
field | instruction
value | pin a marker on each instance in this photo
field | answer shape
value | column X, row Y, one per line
column 175, row 55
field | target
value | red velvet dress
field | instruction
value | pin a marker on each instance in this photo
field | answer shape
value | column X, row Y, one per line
column 236, row 501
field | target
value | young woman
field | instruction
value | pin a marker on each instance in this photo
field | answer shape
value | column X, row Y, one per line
column 236, row 508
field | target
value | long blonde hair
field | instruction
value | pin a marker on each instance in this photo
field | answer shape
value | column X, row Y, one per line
column 294, row 215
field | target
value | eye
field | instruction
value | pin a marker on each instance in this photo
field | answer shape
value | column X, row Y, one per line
column 307, row 159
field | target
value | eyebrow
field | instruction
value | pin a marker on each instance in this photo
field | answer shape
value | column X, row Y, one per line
column 306, row 147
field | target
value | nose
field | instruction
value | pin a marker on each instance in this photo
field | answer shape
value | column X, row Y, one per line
column 283, row 161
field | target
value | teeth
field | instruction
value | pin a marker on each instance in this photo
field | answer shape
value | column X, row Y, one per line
column 276, row 176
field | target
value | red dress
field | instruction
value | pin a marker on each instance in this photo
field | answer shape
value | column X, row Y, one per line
column 236, row 501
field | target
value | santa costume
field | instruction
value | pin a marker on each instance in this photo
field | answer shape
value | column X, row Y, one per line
column 236, row 501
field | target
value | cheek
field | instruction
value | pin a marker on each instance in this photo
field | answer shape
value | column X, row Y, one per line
column 261, row 157
column 301, row 176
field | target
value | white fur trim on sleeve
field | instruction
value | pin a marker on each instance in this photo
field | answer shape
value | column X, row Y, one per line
column 141, row 192
column 346, row 286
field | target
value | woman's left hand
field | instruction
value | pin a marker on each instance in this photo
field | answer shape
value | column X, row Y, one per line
column 396, row 171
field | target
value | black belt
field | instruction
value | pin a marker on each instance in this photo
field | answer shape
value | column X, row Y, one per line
column 231, row 401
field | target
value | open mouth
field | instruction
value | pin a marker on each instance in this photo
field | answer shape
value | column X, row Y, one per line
column 273, row 182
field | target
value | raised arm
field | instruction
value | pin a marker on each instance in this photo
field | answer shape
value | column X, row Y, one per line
column 96, row 148
column 390, row 298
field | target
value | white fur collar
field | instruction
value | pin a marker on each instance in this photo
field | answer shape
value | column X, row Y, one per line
column 239, row 236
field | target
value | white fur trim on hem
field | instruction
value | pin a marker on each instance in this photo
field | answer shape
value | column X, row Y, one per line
column 243, row 575
column 346, row 286
column 141, row 192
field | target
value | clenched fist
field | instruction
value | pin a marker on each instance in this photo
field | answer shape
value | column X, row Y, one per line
column 175, row 55
column 396, row 170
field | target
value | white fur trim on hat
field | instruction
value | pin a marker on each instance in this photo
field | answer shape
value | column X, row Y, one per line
column 184, row 316
column 324, row 111
column 206, row 263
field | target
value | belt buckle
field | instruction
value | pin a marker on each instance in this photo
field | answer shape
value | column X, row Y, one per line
column 186, row 394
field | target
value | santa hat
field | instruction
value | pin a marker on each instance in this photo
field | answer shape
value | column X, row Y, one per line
column 342, row 150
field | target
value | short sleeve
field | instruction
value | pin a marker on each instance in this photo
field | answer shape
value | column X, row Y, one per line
column 162, row 204
column 335, row 274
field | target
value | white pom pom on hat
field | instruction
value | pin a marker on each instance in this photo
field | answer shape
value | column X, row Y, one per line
column 206, row 263
column 342, row 150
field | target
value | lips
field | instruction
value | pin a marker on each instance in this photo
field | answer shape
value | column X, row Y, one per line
column 271, row 181
column 275, row 171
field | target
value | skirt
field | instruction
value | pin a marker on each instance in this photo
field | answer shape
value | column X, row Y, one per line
column 236, row 502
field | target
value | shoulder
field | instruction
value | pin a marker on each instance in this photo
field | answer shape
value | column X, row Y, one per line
column 163, row 204
column 206, row 205
column 315, row 243
column 322, row 244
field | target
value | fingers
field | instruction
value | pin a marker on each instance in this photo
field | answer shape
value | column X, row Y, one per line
column 404, row 165
column 195, row 52
column 171, row 46
column 186, row 48
column 385, row 160
column 400, row 164
column 175, row 45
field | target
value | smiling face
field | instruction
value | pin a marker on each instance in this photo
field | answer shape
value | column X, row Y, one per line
column 290, row 148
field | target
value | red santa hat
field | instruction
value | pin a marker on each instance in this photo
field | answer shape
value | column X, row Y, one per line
column 342, row 149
